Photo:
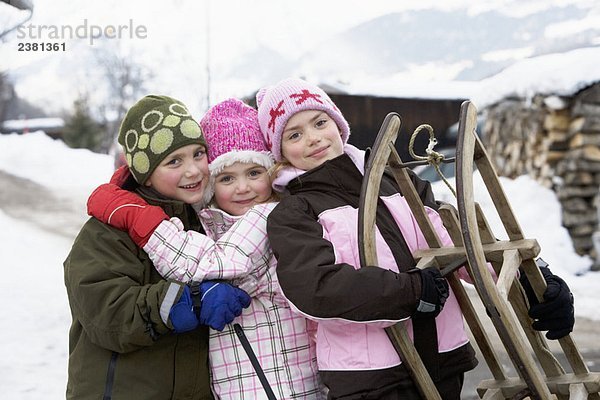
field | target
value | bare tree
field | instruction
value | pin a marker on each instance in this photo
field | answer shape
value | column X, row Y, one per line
column 7, row 94
column 125, row 80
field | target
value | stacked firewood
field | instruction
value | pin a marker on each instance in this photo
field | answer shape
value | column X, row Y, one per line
column 514, row 137
column 556, row 140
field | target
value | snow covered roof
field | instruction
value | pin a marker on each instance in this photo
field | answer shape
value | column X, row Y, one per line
column 560, row 74
column 400, row 88
column 33, row 124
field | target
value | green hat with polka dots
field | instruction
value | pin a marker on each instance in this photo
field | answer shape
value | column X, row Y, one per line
column 152, row 129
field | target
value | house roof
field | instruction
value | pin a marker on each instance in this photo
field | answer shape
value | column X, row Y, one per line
column 33, row 124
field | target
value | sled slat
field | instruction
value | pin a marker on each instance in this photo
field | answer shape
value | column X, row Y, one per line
column 527, row 248
column 502, row 315
column 449, row 216
column 578, row 392
column 493, row 394
column 514, row 232
column 516, row 297
column 510, row 265
column 426, row 262
column 412, row 198
column 368, row 251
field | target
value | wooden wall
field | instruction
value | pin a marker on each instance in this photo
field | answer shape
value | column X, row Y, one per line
column 366, row 113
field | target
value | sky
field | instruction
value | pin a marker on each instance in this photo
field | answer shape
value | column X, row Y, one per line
column 35, row 307
column 187, row 37
column 233, row 29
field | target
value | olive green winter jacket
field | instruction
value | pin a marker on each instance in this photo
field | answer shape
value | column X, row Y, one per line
column 121, row 344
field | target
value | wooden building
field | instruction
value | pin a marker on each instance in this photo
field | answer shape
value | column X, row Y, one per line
column 366, row 113
column 53, row 127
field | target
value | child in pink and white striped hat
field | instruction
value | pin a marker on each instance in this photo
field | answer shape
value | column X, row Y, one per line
column 236, row 248
column 314, row 235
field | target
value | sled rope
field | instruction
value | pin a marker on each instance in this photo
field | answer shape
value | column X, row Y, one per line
column 433, row 157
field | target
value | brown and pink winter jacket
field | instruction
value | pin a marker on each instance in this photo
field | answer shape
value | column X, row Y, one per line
column 314, row 235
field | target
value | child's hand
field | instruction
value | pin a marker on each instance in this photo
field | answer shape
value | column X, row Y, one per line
column 126, row 211
column 182, row 314
column 434, row 292
column 221, row 303
column 556, row 314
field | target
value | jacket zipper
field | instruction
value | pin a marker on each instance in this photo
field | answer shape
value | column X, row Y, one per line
column 110, row 376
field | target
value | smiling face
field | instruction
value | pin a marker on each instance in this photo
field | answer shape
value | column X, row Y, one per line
column 310, row 138
column 241, row 186
column 182, row 175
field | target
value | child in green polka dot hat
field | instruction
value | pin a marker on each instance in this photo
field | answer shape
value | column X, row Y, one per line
column 152, row 129
column 162, row 324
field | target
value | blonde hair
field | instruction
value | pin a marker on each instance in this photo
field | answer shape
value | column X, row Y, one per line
column 278, row 167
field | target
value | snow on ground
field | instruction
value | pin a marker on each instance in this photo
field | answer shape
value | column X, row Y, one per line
column 36, row 315
column 51, row 163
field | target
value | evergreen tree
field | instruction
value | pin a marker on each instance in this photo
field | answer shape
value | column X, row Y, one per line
column 81, row 130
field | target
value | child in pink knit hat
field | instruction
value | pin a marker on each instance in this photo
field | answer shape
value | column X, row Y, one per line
column 236, row 248
column 277, row 104
column 314, row 235
column 238, row 159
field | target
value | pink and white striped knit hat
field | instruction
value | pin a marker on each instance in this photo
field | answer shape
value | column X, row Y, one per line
column 232, row 135
column 278, row 103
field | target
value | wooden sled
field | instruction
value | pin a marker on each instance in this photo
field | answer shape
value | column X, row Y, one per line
column 540, row 375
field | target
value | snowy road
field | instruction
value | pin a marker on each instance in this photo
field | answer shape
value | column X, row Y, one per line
column 29, row 201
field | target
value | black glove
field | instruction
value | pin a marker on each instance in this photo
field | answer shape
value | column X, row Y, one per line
column 434, row 292
column 556, row 313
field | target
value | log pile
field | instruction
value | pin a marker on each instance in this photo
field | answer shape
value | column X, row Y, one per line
column 514, row 136
column 555, row 140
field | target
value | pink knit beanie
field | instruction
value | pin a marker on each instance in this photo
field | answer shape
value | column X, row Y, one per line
column 278, row 103
column 232, row 135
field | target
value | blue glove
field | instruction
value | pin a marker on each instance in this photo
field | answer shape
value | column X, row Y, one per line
column 182, row 313
column 221, row 303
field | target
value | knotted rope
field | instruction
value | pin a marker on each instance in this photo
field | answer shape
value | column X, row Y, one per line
column 433, row 157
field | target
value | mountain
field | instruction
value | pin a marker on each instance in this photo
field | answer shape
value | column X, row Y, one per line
column 449, row 45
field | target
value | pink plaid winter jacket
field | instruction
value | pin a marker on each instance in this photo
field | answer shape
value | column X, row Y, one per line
column 237, row 249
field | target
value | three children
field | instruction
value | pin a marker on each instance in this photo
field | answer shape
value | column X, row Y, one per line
column 310, row 298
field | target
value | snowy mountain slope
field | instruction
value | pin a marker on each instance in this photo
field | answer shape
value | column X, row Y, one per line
column 450, row 44
column 251, row 45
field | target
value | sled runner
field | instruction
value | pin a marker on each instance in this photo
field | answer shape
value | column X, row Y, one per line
column 540, row 375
